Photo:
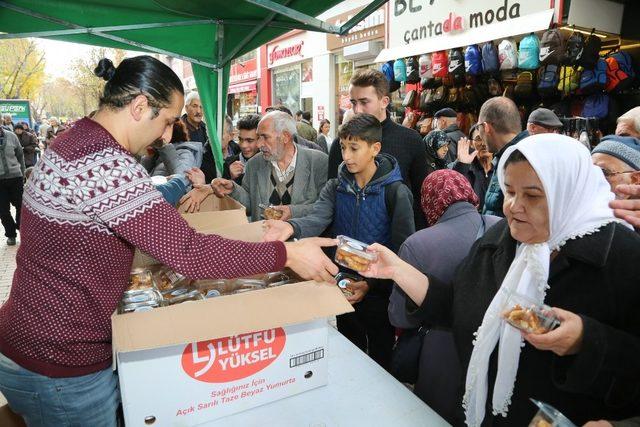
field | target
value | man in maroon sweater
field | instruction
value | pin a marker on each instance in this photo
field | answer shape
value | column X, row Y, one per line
column 87, row 205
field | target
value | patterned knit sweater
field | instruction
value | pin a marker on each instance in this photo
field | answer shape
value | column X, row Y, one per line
column 87, row 205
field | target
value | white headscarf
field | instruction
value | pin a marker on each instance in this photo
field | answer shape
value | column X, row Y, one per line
column 578, row 197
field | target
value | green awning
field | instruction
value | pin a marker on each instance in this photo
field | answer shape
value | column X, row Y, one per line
column 206, row 33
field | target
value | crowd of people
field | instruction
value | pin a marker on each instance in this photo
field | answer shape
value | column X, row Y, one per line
column 460, row 224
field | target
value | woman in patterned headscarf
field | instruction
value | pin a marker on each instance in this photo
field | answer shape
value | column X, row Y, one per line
column 437, row 146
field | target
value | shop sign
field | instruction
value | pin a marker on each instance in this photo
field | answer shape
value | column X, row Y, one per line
column 18, row 109
column 412, row 21
column 320, row 112
column 285, row 52
column 370, row 28
column 243, row 87
column 242, row 71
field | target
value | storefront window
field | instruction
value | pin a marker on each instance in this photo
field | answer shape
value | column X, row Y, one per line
column 286, row 87
column 344, row 71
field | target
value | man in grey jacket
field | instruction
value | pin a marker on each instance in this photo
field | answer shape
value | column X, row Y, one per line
column 282, row 174
column 11, row 183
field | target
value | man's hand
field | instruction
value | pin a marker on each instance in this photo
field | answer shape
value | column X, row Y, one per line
column 222, row 187
column 286, row 212
column 306, row 258
column 463, row 151
column 277, row 230
column 191, row 201
column 196, row 176
column 629, row 209
column 236, row 169
column 359, row 290
column 563, row 341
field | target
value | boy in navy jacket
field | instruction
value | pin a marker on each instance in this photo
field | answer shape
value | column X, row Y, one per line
column 368, row 202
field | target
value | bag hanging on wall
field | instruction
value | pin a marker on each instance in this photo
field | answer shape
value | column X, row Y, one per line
column 573, row 50
column 410, row 99
column 490, row 59
column 569, row 79
column 596, row 106
column 456, row 66
column 439, row 64
column 508, row 54
column 551, row 47
column 425, row 66
column 400, row 70
column 473, row 60
column 548, row 80
column 413, row 72
column 523, row 90
column 529, row 53
column 387, row 70
column 595, row 80
column 590, row 52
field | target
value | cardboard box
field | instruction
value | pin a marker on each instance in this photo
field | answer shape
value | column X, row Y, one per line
column 195, row 362
column 215, row 213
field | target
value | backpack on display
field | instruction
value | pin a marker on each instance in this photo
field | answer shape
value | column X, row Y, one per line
column 439, row 64
column 413, row 71
column 387, row 70
column 400, row 70
column 490, row 59
column 481, row 91
column 551, row 47
column 508, row 54
column 596, row 106
column 569, row 79
column 468, row 98
column 573, row 49
column 523, row 90
column 440, row 95
column 548, row 80
column 410, row 99
column 620, row 71
column 529, row 53
column 456, row 66
column 473, row 60
column 453, row 97
column 595, row 80
column 590, row 52
column 495, row 89
column 424, row 64
column 424, row 100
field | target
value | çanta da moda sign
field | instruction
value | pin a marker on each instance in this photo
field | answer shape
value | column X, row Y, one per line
column 417, row 20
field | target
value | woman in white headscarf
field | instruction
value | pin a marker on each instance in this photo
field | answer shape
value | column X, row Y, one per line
column 560, row 245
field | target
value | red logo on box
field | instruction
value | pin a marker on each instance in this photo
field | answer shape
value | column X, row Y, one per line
column 233, row 358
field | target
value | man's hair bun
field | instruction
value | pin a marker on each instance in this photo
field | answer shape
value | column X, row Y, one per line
column 105, row 69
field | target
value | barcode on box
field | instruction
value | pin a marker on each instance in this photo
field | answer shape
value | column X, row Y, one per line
column 306, row 358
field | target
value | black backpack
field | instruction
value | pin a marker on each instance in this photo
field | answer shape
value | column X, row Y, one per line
column 413, row 70
column 551, row 47
column 456, row 66
column 590, row 52
column 573, row 50
column 523, row 90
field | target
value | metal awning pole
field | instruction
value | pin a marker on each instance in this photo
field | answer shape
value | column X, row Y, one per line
column 372, row 7
column 220, row 75
column 310, row 21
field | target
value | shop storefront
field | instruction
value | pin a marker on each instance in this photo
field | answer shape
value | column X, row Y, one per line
column 417, row 32
column 285, row 59
column 357, row 49
column 242, row 96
